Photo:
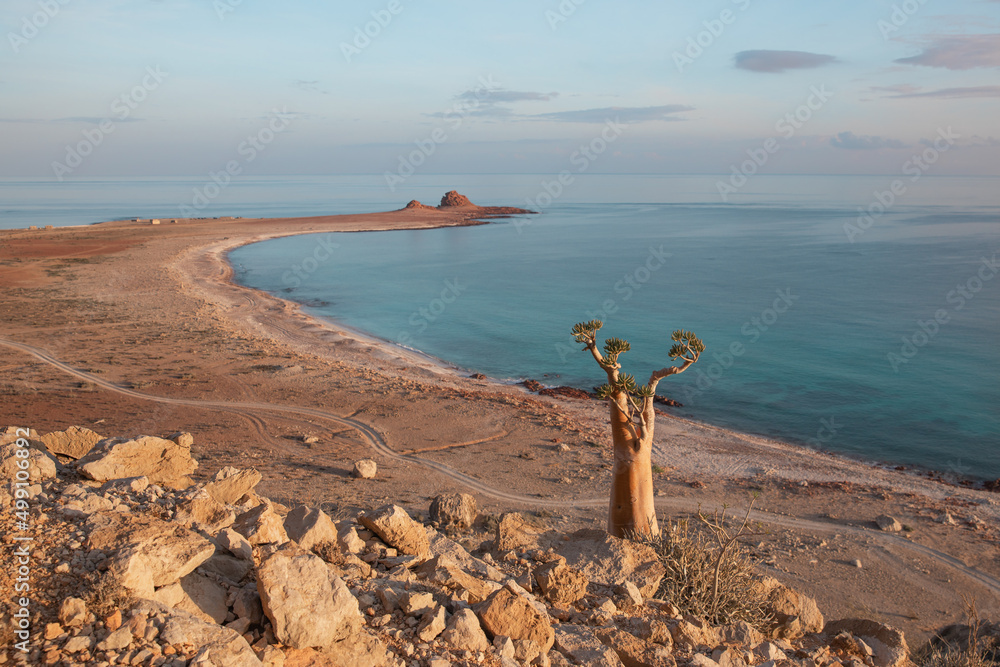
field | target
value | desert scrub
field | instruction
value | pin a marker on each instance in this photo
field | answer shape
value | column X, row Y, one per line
column 709, row 572
column 974, row 645
column 106, row 594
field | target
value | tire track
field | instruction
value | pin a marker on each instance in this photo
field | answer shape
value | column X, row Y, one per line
column 379, row 444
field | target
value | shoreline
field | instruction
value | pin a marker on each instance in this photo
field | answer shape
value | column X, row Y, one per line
column 157, row 309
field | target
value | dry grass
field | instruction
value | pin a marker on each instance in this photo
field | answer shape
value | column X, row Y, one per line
column 105, row 594
column 710, row 574
column 962, row 645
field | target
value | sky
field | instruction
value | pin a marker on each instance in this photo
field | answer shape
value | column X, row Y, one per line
column 93, row 88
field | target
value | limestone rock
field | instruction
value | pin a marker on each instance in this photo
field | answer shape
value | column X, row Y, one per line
column 432, row 624
column 230, row 484
column 511, row 615
column 261, row 525
column 787, row 603
column 360, row 650
column 40, row 465
column 205, row 513
column 365, row 469
column 182, row 438
column 887, row 643
column 163, row 461
column 203, row 598
column 465, row 633
column 579, row 644
column 446, row 572
column 73, row 613
column 307, row 604
column 310, row 526
column 11, row 434
column 414, row 603
column 632, row 651
column 454, row 511
column 395, row 527
column 694, row 633
column 74, row 442
column 348, row 540
column 453, row 199
column 147, row 551
column 235, row 543
column 888, row 524
column 612, row 561
column 561, row 584
column 217, row 645
column 230, row 568
column 116, row 641
column 513, row 532
column 126, row 485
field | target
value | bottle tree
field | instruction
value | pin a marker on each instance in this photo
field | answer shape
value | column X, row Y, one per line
column 632, row 422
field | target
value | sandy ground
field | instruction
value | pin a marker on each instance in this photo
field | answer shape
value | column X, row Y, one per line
column 134, row 329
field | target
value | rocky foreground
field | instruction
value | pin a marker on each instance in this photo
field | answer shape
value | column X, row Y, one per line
column 130, row 563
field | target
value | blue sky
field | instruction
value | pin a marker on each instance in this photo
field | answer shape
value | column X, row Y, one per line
column 179, row 87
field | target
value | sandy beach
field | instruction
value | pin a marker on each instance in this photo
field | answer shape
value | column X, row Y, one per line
column 126, row 327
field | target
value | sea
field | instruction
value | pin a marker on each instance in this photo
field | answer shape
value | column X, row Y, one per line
column 852, row 314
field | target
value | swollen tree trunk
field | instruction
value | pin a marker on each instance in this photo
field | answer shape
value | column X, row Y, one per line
column 631, row 509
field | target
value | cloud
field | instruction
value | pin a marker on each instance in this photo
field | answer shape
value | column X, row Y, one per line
column 779, row 61
column 310, row 86
column 851, row 141
column 958, row 52
column 628, row 115
column 949, row 93
column 498, row 96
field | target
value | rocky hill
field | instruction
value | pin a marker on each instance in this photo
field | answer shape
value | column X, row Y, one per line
column 131, row 563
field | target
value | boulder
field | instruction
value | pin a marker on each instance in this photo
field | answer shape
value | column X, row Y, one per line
column 40, row 466
column 561, row 584
column 73, row 612
column 581, row 645
column 632, row 651
column 235, row 543
column 230, row 568
column 432, row 624
column 514, row 533
column 365, row 469
column 164, row 462
column 261, row 525
column 395, row 527
column 307, row 604
column 465, row 633
column 146, row 551
column 505, row 613
column 11, row 434
column 216, row 645
column 694, row 633
column 75, row 442
column 310, row 526
column 787, row 603
column 360, row 650
column 887, row 643
column 611, row 561
column 203, row 598
column 230, row 484
column 453, row 199
column 454, row 511
column 888, row 524
column 204, row 512
column 446, row 572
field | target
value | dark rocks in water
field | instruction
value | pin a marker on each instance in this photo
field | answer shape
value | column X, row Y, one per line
column 667, row 401
column 993, row 486
column 477, row 376
column 566, row 392
column 532, row 385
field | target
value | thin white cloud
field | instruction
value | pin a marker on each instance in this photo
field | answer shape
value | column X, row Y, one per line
column 958, row 52
column 627, row 115
column 855, row 142
column 774, row 62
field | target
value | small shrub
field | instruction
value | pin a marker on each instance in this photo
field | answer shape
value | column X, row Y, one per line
column 962, row 645
column 710, row 574
column 106, row 594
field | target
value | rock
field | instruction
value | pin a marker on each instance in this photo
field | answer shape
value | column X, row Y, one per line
column 309, row 527
column 40, row 465
column 453, row 199
column 75, row 442
column 946, row 519
column 579, row 644
column 414, row 603
column 395, row 527
column 82, row 504
column 631, row 593
column 414, row 204
column 261, row 525
column 611, row 561
column 247, row 604
column 307, row 604
column 361, row 650
column 768, row 651
column 164, row 462
column 113, row 621
column 699, row 660
column 203, row 598
column 694, row 634
column 116, row 641
column 856, row 563
column 888, row 523
column 632, row 651
column 182, row 438
column 365, row 469
column 561, row 584
column 432, row 624
column 216, row 645
column 465, row 633
column 511, row 615
column 235, row 543
column 743, row 633
column 454, row 511
column 230, row 568
column 513, row 532
column 126, row 485
column 147, row 551
column 205, row 513
column 9, row 434
column 887, row 643
column 785, row 603
column 230, row 484
column 446, row 572
column 78, row 644
column 73, row 613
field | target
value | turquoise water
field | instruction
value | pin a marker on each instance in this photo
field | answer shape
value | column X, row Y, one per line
column 501, row 298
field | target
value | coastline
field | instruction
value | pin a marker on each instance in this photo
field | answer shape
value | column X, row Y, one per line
column 159, row 310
